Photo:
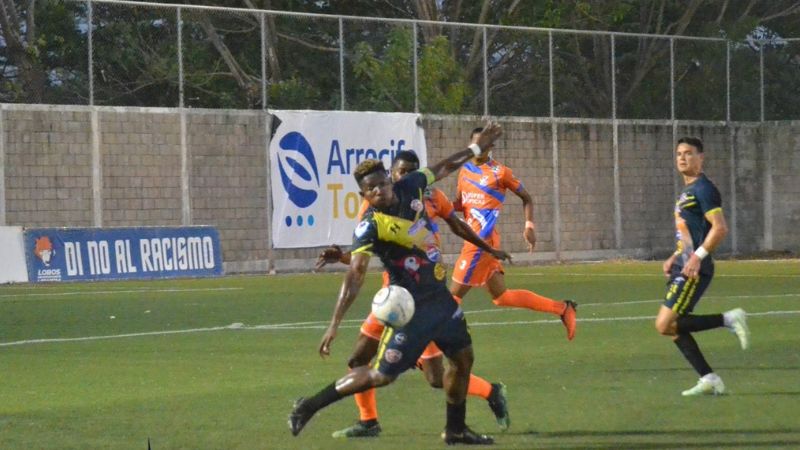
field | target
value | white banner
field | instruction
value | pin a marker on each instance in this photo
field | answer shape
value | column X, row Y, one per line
column 12, row 264
column 313, row 154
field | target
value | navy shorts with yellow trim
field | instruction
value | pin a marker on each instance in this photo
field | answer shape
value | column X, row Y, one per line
column 684, row 293
column 437, row 318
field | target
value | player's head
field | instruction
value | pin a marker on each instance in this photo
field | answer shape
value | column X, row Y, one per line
column 373, row 183
column 474, row 140
column 405, row 161
column 689, row 156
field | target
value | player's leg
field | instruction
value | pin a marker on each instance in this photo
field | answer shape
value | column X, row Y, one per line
column 367, row 425
column 520, row 298
column 674, row 320
column 365, row 349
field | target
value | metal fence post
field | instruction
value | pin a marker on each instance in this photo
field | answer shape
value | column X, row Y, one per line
column 186, row 205
column 341, row 63
column 554, row 140
column 416, row 69
column 90, row 42
column 615, row 146
column 485, row 77
column 731, row 148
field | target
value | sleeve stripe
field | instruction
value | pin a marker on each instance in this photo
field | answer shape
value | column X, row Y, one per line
column 428, row 175
column 717, row 210
column 365, row 249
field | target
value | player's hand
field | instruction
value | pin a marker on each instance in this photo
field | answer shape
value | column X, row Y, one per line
column 331, row 254
column 327, row 340
column 668, row 265
column 502, row 255
column 491, row 132
column 530, row 237
column 692, row 267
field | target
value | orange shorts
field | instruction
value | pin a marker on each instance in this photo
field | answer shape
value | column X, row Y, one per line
column 373, row 328
column 474, row 268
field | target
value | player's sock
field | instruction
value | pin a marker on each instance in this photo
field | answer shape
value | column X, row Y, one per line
column 456, row 417
column 692, row 323
column 323, row 398
column 526, row 299
column 367, row 406
column 479, row 387
column 691, row 351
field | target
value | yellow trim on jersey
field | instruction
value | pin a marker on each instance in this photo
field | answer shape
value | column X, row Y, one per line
column 428, row 175
column 365, row 249
column 688, row 205
column 717, row 210
column 396, row 230
column 385, row 338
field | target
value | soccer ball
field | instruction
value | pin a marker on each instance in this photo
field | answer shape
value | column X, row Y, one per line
column 393, row 306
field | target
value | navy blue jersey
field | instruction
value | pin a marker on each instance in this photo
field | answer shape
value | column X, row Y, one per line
column 403, row 237
column 697, row 199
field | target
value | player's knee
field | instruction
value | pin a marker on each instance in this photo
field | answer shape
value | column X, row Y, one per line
column 357, row 361
column 665, row 327
column 378, row 379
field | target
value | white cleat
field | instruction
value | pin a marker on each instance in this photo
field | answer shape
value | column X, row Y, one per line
column 706, row 386
column 737, row 322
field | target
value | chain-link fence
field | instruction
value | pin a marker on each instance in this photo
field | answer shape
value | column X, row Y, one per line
column 142, row 54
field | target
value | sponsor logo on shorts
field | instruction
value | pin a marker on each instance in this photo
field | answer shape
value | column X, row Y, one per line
column 400, row 338
column 393, row 356
column 362, row 228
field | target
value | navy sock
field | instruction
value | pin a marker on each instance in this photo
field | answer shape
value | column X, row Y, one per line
column 691, row 351
column 456, row 417
column 692, row 323
column 323, row 398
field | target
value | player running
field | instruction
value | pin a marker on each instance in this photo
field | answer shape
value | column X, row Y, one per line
column 397, row 229
column 437, row 205
column 480, row 193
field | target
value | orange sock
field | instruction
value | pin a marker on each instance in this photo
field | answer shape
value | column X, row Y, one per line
column 527, row 299
column 367, row 406
column 479, row 387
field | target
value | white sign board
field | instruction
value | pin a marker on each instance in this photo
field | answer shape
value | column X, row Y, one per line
column 312, row 157
column 12, row 264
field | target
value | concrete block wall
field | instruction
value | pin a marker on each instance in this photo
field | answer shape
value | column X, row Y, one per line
column 48, row 168
column 50, row 178
column 141, row 168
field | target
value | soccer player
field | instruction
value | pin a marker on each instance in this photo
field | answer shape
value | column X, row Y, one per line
column 431, row 361
column 480, row 193
column 700, row 227
column 397, row 229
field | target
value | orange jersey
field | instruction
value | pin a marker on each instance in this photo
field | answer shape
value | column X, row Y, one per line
column 481, row 191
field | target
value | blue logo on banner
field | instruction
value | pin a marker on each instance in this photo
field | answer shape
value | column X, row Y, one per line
column 70, row 254
column 295, row 142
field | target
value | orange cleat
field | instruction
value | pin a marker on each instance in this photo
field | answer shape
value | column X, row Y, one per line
column 569, row 319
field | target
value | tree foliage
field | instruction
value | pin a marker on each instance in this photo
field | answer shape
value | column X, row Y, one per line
column 44, row 56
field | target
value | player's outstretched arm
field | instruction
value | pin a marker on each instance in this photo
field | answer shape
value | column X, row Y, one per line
column 464, row 231
column 529, row 233
column 347, row 294
column 490, row 133
column 330, row 255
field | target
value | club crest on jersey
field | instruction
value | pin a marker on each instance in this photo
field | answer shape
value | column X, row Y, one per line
column 400, row 338
column 484, row 180
column 362, row 228
column 392, row 355
column 417, row 205
column 439, row 272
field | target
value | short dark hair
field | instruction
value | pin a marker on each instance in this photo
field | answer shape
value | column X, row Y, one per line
column 693, row 141
column 476, row 131
column 408, row 156
column 367, row 167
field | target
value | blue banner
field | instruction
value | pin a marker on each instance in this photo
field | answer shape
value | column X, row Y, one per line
column 74, row 254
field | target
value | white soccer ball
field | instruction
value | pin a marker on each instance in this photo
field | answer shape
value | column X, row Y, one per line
column 393, row 306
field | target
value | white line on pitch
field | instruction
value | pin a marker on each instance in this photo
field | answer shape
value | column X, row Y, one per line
column 127, row 291
column 238, row 326
column 660, row 275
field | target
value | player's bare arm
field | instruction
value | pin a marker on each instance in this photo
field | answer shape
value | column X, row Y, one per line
column 490, row 133
column 529, row 233
column 718, row 231
column 352, row 283
column 330, row 255
column 464, row 231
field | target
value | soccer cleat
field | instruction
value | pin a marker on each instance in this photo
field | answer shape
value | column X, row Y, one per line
column 299, row 417
column 499, row 404
column 569, row 319
column 466, row 437
column 706, row 387
column 360, row 429
column 738, row 324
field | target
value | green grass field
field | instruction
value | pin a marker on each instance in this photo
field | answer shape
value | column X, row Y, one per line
column 167, row 366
